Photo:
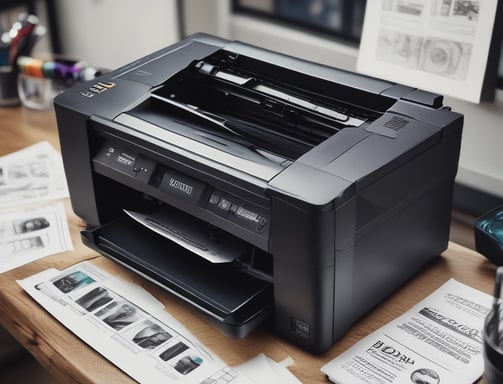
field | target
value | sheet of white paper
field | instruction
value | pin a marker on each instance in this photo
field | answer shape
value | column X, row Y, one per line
column 111, row 317
column 262, row 369
column 32, row 175
column 437, row 45
column 438, row 341
column 29, row 234
column 188, row 235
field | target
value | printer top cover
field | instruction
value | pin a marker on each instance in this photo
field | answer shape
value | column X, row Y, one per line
column 327, row 189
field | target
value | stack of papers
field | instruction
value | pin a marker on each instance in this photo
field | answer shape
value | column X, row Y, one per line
column 29, row 229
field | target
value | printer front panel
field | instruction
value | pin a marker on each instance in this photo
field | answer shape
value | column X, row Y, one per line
column 157, row 177
column 148, row 181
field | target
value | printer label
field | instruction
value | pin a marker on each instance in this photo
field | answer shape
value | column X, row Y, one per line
column 126, row 159
column 300, row 326
column 181, row 186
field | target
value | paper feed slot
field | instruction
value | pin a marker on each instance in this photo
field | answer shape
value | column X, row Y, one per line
column 234, row 300
column 248, row 109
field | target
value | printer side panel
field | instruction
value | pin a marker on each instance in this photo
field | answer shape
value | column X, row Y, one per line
column 302, row 243
column 334, row 262
column 410, row 209
column 74, row 144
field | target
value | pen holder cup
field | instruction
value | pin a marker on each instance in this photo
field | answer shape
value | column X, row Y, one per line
column 38, row 92
column 493, row 348
column 8, row 87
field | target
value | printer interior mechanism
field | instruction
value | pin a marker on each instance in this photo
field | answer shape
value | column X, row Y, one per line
column 245, row 105
column 259, row 187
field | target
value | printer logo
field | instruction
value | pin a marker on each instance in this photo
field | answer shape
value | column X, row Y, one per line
column 181, row 186
column 300, row 327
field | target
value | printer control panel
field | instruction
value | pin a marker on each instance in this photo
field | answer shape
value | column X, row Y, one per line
column 158, row 180
column 213, row 200
column 237, row 212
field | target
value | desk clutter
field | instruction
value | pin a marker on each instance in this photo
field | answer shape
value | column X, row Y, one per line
column 166, row 204
column 34, row 81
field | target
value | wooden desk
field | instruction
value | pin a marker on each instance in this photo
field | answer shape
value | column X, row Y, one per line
column 70, row 360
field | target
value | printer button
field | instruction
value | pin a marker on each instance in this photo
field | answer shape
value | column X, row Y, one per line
column 224, row 204
column 233, row 209
column 248, row 216
column 262, row 223
column 214, row 199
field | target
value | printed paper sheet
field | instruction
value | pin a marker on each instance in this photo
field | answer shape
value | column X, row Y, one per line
column 438, row 341
column 30, row 178
column 437, row 45
column 29, row 234
column 32, row 175
column 129, row 327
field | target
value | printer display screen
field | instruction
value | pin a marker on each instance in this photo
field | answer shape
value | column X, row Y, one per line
column 239, row 99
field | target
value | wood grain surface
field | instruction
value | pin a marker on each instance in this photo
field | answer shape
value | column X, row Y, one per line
column 69, row 359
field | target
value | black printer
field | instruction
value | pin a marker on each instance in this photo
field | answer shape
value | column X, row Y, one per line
column 256, row 186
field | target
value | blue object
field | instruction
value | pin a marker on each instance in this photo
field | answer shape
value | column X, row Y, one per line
column 489, row 235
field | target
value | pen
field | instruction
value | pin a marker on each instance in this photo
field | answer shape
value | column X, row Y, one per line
column 5, row 42
column 21, row 35
column 497, row 305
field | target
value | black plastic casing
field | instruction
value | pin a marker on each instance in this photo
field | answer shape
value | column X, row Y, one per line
column 349, row 221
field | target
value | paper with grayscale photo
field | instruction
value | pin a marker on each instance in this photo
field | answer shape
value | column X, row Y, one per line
column 132, row 329
column 213, row 245
column 437, row 45
column 32, row 175
column 438, row 341
column 29, row 234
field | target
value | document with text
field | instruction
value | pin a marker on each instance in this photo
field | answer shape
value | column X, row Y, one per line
column 438, row 341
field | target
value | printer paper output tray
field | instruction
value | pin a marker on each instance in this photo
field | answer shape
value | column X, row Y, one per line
column 235, row 301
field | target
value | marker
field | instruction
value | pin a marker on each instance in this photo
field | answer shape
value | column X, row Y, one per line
column 20, row 33
column 5, row 41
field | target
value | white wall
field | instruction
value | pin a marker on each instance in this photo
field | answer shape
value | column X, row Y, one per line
column 111, row 33
column 481, row 160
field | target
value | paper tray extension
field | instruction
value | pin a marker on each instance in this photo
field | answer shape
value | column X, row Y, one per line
column 237, row 302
